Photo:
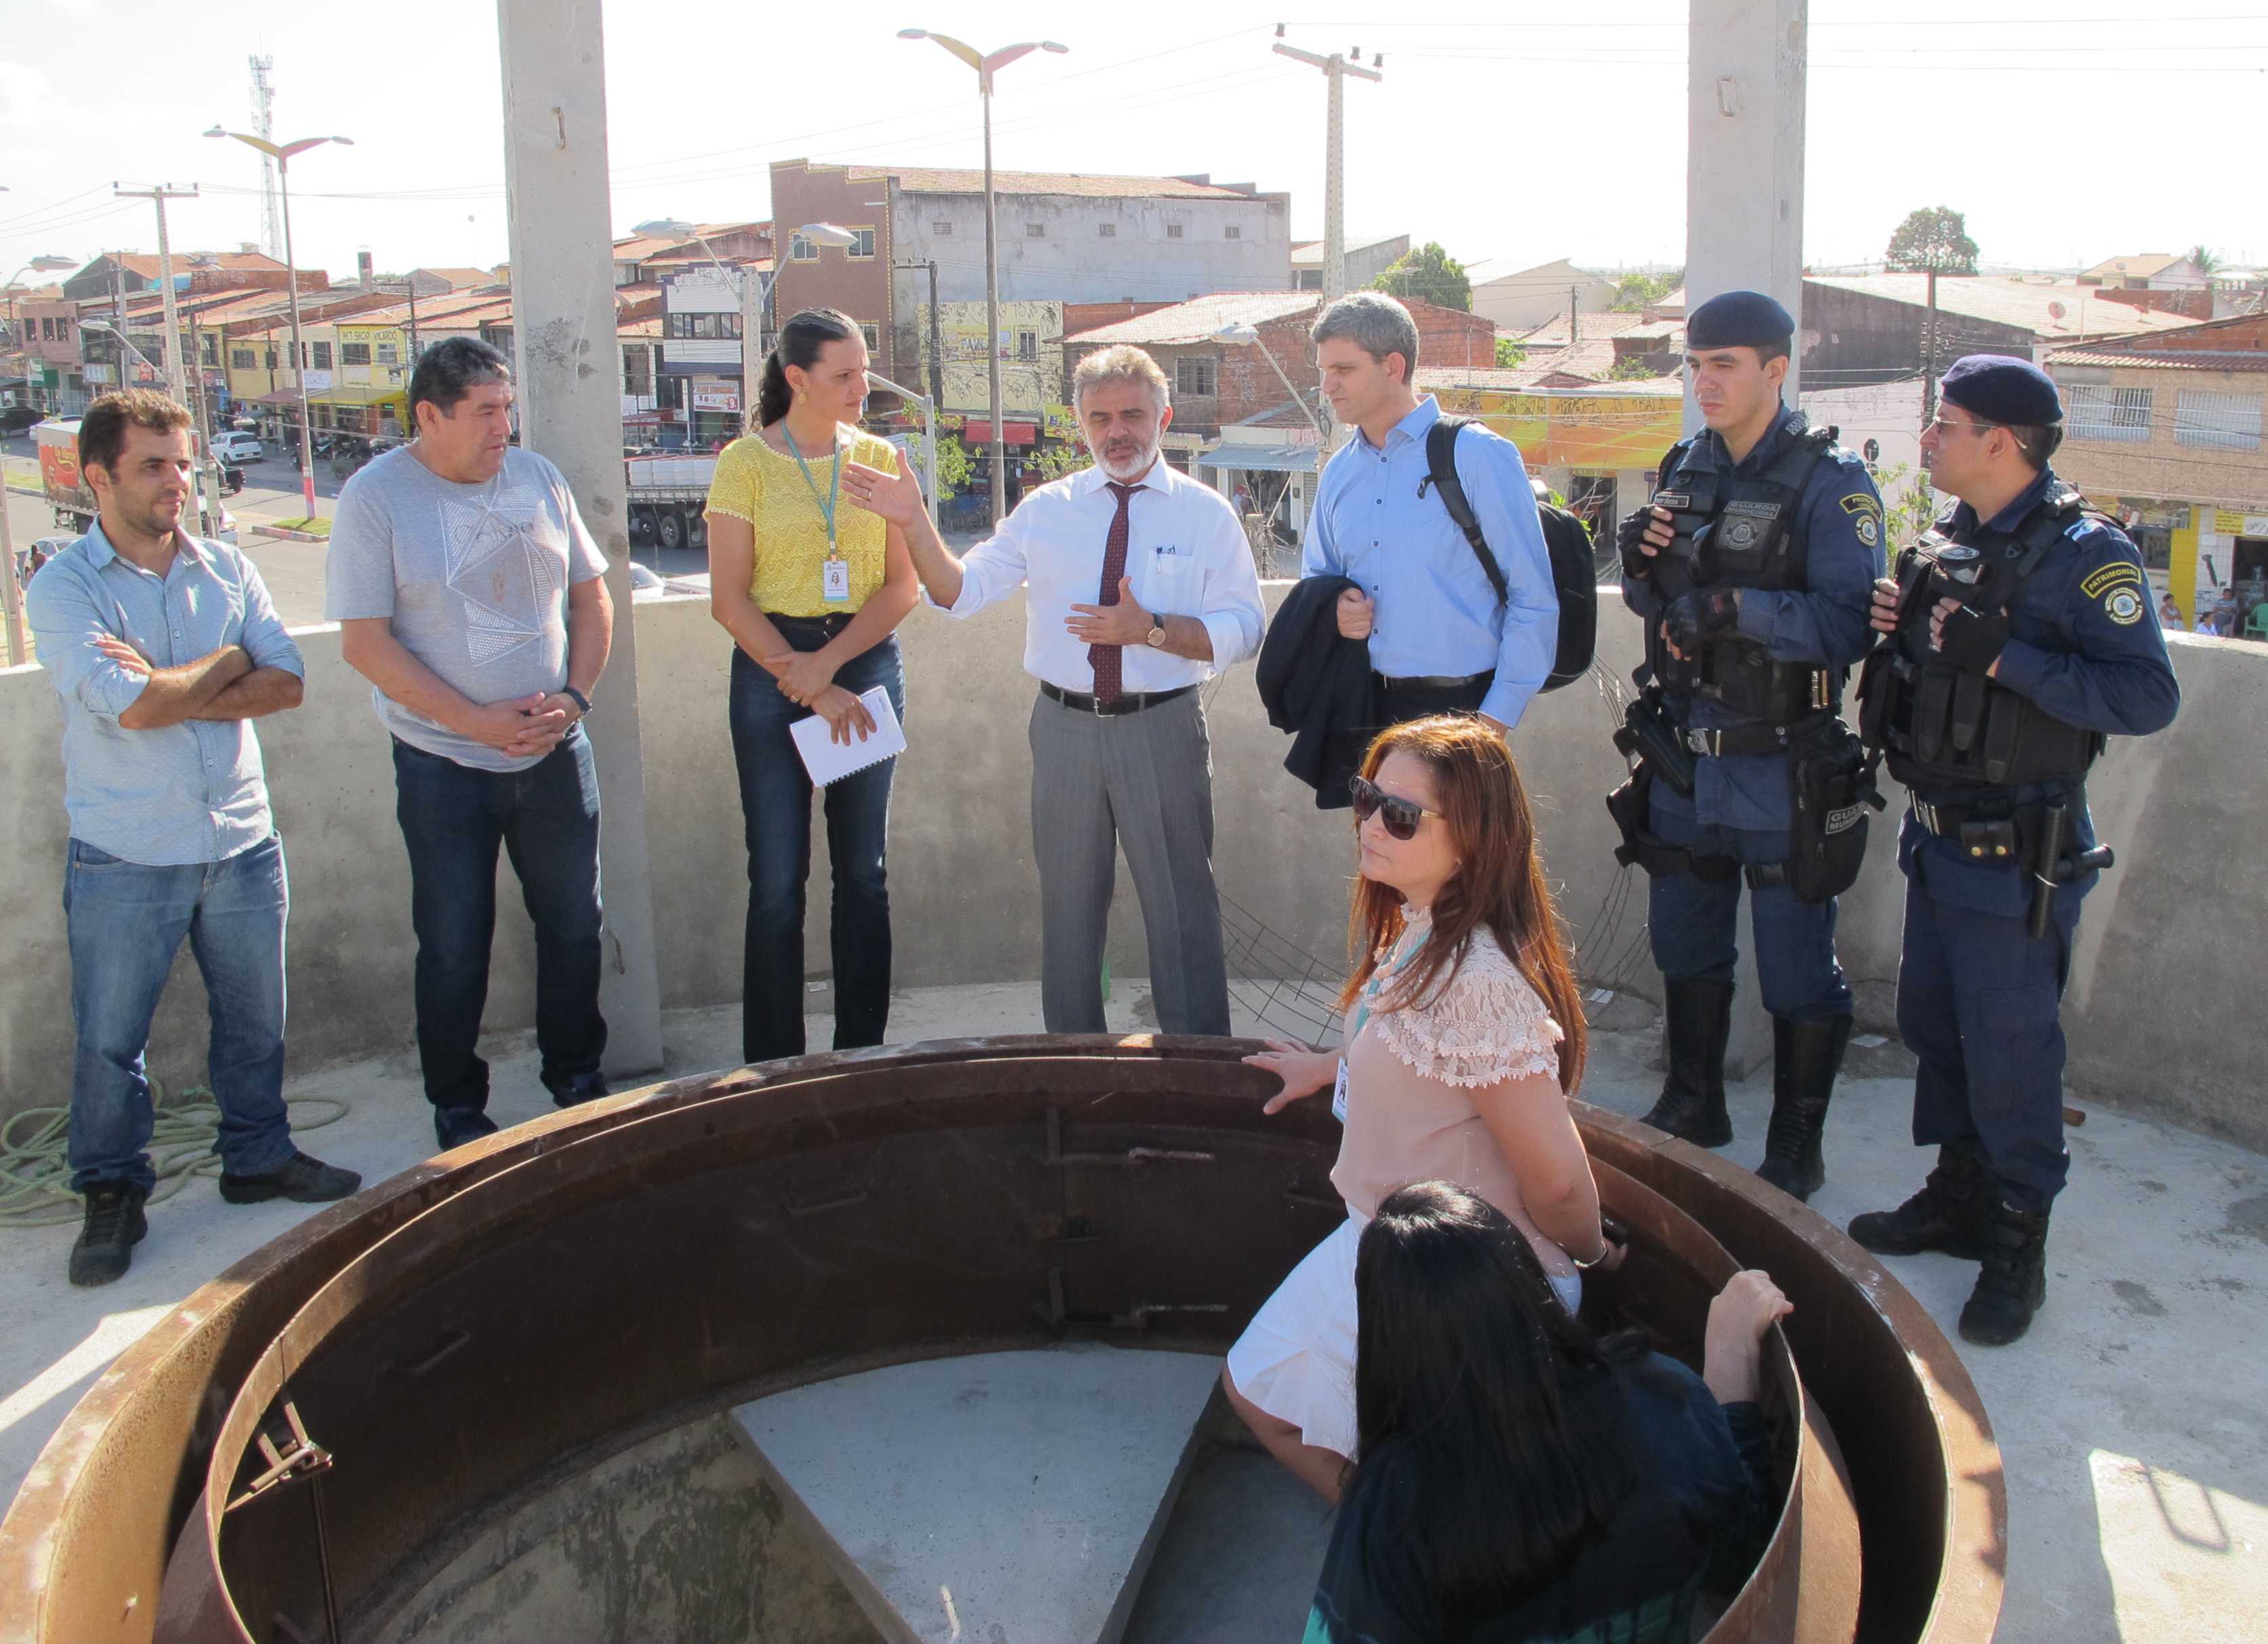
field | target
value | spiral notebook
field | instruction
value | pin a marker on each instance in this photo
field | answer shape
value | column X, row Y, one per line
column 830, row 761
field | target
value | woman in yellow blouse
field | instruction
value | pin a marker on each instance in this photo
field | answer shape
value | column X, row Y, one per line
column 812, row 590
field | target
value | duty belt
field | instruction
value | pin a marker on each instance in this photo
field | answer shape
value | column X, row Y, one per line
column 1745, row 739
column 1988, row 830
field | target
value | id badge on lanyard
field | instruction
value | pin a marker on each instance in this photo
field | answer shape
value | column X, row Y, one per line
column 835, row 571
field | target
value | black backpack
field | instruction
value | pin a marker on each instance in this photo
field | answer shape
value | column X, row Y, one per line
column 1573, row 564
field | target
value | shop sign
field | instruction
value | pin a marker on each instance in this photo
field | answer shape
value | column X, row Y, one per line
column 716, row 399
column 2230, row 522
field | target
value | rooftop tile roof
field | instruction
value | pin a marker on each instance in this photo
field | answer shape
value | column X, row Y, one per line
column 947, row 180
column 1196, row 320
column 2050, row 311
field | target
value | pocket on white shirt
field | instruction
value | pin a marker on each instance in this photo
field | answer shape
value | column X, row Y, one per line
column 1171, row 585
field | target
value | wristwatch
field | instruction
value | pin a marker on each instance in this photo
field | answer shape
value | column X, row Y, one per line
column 1157, row 630
column 582, row 703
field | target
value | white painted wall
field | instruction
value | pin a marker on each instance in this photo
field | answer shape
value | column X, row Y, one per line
column 1073, row 262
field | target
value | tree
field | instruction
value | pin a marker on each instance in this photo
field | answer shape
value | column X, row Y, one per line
column 1636, row 291
column 954, row 465
column 1057, row 461
column 2207, row 262
column 1431, row 275
column 1509, row 353
column 1934, row 238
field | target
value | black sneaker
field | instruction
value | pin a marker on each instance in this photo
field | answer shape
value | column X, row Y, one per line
column 573, row 1093
column 453, row 1127
column 1951, row 1214
column 114, row 1225
column 303, row 1180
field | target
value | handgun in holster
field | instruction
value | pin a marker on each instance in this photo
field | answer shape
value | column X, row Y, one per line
column 1650, row 733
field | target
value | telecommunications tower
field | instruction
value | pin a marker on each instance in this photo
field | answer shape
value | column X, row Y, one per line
column 271, row 213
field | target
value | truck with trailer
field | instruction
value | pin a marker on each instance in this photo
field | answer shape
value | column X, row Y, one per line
column 66, row 487
column 665, row 494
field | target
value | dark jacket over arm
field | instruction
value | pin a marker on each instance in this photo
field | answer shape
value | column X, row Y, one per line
column 1315, row 684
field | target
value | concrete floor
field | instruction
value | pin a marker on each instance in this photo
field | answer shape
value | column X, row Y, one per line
column 2134, row 1419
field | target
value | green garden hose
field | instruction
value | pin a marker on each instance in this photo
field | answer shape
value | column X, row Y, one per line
column 35, row 1174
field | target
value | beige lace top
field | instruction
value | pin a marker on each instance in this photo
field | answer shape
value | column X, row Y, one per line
column 1411, row 1073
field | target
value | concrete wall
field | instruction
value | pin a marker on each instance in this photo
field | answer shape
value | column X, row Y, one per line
column 2162, row 1008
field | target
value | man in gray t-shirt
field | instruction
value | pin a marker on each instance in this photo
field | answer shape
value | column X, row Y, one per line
column 468, row 592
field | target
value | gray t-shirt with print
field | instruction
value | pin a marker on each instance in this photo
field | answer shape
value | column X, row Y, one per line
column 473, row 579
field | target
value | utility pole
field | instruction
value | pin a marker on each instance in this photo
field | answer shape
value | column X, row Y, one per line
column 1929, row 355
column 555, row 134
column 936, row 333
column 176, row 377
column 1336, row 69
column 1574, row 315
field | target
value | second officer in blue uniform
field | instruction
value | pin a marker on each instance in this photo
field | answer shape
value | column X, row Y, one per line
column 1751, row 570
column 2023, row 635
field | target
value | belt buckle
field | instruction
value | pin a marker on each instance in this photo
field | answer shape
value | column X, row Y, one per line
column 1696, row 741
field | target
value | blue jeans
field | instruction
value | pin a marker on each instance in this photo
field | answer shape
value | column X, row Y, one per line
column 126, row 923
column 546, row 817
column 1694, row 923
column 776, row 807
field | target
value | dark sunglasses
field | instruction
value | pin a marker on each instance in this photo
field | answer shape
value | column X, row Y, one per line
column 1402, row 815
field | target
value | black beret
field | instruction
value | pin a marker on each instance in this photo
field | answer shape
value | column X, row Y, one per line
column 2001, row 389
column 1739, row 319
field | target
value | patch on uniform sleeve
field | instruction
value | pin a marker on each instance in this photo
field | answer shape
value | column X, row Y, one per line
column 1867, row 511
column 2103, row 578
column 2123, row 605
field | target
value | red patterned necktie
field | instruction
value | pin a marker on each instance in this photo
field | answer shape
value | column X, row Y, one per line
column 1109, row 683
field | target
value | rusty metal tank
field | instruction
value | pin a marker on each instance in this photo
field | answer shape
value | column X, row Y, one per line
column 261, row 1461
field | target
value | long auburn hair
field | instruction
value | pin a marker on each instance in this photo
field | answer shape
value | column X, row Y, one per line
column 1464, row 1363
column 1498, row 883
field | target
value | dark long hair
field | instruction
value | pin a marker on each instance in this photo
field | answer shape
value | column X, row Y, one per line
column 1464, row 1362
column 799, row 344
column 1499, row 882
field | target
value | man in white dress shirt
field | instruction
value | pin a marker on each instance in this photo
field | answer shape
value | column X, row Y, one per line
column 1141, row 588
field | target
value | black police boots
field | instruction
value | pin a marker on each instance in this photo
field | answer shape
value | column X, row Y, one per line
column 1698, row 1020
column 1951, row 1214
column 2014, row 1280
column 1806, row 1058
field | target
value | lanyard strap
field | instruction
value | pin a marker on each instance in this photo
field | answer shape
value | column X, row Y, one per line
column 833, row 485
column 1379, row 978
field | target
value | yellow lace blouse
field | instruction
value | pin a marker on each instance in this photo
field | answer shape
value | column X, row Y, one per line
column 763, row 487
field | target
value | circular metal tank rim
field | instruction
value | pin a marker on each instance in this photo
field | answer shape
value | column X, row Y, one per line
column 120, row 1478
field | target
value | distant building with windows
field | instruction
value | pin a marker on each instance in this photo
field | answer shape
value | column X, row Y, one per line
column 2164, row 429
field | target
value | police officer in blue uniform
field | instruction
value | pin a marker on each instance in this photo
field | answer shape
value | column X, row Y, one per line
column 1752, row 569
column 2021, row 634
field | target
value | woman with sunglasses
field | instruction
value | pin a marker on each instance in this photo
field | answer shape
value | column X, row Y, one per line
column 1464, row 1039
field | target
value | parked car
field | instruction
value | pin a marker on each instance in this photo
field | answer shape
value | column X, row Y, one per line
column 15, row 419
column 30, row 559
column 234, row 446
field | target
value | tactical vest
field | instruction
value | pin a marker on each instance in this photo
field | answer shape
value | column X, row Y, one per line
column 1943, row 728
column 1745, row 531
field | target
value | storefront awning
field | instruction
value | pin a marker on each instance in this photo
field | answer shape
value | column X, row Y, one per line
column 1231, row 457
column 974, row 433
column 358, row 394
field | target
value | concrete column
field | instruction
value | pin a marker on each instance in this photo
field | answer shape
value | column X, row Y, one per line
column 1744, row 156
column 562, row 291
column 1746, row 69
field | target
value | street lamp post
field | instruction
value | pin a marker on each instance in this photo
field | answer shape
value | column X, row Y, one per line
column 987, row 64
column 282, row 153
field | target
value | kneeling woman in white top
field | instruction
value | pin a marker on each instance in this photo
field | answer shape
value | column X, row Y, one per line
column 1464, row 1040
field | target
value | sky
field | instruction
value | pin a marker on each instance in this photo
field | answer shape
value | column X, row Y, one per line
column 2068, row 131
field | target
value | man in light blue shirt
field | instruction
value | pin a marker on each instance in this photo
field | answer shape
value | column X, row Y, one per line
column 1440, row 641
column 164, row 649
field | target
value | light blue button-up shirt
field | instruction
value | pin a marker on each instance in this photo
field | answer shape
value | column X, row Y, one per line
column 180, row 793
column 1436, row 612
